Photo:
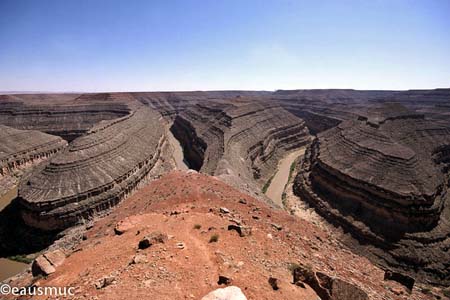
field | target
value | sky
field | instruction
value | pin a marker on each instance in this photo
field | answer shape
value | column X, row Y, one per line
column 152, row 45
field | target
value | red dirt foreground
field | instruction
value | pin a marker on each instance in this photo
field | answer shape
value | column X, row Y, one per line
column 171, row 240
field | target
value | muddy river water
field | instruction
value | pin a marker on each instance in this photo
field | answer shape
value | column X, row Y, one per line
column 276, row 188
column 9, row 267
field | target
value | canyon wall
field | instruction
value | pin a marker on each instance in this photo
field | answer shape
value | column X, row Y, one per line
column 239, row 139
column 70, row 117
column 95, row 172
column 384, row 178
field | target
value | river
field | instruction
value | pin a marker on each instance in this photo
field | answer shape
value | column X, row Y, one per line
column 279, row 180
column 9, row 267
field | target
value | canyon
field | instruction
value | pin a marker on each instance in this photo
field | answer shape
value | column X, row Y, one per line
column 375, row 165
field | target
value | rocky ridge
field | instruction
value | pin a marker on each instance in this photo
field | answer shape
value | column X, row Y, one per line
column 279, row 256
column 384, row 178
column 96, row 171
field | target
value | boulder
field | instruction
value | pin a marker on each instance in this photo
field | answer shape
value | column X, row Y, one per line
column 327, row 287
column 56, row 258
column 228, row 293
column 41, row 266
column 47, row 263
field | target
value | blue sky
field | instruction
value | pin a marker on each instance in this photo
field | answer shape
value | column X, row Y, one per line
column 93, row 45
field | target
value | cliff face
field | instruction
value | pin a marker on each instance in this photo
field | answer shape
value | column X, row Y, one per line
column 385, row 179
column 21, row 147
column 239, row 139
column 95, row 172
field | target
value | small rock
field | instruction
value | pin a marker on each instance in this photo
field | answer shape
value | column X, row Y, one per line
column 224, row 210
column 276, row 226
column 242, row 230
column 104, row 282
column 223, row 280
column 242, row 201
column 235, row 221
column 269, row 236
column 139, row 259
column 151, row 239
column 180, row 245
column 398, row 291
column 228, row 293
column 273, row 283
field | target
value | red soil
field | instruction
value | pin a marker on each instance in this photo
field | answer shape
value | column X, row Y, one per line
column 174, row 205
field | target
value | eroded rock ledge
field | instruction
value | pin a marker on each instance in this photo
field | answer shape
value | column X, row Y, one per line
column 239, row 140
column 21, row 147
column 385, row 179
column 95, row 172
column 72, row 116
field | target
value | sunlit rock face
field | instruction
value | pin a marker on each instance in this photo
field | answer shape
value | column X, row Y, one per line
column 66, row 115
column 385, row 178
column 21, row 147
column 96, row 171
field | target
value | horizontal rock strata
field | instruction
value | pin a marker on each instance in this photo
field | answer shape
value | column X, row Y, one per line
column 385, row 179
column 19, row 148
column 68, row 119
column 95, row 172
column 238, row 139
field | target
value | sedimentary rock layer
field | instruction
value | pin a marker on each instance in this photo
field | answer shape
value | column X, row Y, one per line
column 21, row 147
column 95, row 172
column 385, row 179
column 239, row 138
column 322, row 109
column 66, row 116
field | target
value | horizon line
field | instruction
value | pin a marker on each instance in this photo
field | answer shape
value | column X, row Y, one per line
column 214, row 90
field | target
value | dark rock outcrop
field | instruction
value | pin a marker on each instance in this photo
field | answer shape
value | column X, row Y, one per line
column 327, row 287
